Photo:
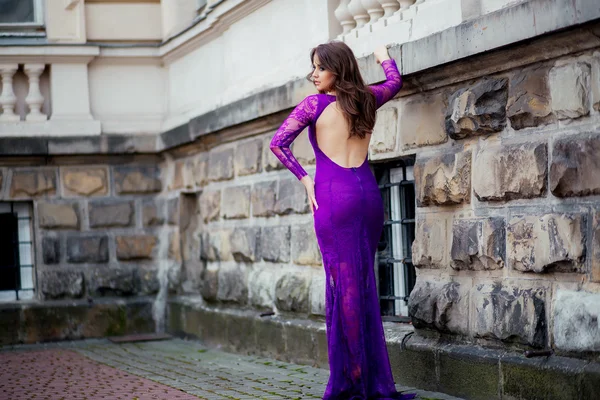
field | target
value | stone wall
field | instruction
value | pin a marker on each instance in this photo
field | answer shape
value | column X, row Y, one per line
column 507, row 177
column 254, row 232
column 100, row 226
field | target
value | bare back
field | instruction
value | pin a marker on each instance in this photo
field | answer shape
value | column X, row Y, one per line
column 332, row 133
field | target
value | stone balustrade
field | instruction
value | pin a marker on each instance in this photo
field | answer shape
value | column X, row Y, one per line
column 45, row 91
column 368, row 23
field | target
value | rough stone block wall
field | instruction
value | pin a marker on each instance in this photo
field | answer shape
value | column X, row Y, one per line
column 507, row 181
column 253, row 235
column 98, row 227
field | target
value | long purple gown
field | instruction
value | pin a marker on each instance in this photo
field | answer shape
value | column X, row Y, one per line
column 348, row 225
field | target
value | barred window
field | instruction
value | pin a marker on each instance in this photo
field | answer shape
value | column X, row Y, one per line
column 16, row 251
column 396, row 273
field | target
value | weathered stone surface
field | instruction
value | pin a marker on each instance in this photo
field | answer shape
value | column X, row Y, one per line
column 87, row 249
column 220, row 165
column 112, row 281
column 317, row 293
column 529, row 98
column 422, row 121
column 236, row 202
column 511, row 172
column 58, row 215
column 1, row 179
column 430, row 246
column 51, row 250
column 270, row 162
column 478, row 110
column 244, row 243
column 551, row 241
column 291, row 291
column 575, row 168
column 305, row 248
column 442, row 306
column 478, row 244
column 443, row 180
column 569, row 86
column 291, row 197
column 261, row 286
column 210, row 284
column 201, row 169
column 174, row 252
column 33, row 183
column 182, row 175
column 61, row 283
column 595, row 78
column 173, row 211
column 110, row 213
column 217, row 246
column 210, row 205
column 146, row 280
column 383, row 139
column 510, row 313
column 153, row 212
column 137, row 179
column 275, row 243
column 576, row 316
column 302, row 149
column 264, row 198
column 137, row 247
column 233, row 283
column 595, row 276
column 85, row 181
column 248, row 157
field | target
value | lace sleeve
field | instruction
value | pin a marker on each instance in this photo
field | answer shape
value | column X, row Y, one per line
column 386, row 91
column 293, row 125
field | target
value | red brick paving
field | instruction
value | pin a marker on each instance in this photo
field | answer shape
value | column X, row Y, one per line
column 56, row 374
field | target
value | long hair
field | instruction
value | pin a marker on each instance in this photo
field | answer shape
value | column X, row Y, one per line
column 354, row 98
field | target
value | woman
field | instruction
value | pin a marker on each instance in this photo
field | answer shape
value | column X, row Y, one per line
column 348, row 213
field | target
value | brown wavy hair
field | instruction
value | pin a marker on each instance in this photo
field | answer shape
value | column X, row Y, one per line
column 354, row 98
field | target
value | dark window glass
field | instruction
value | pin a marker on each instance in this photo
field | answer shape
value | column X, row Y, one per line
column 16, row 11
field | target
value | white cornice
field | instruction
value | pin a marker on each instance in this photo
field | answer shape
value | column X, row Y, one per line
column 48, row 54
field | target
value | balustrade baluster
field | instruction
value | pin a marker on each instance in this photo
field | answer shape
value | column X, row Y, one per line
column 374, row 10
column 34, row 99
column 343, row 15
column 359, row 13
column 8, row 98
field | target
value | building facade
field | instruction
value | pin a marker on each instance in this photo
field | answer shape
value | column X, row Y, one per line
column 138, row 191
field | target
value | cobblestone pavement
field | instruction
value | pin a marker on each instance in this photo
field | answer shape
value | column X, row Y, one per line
column 171, row 369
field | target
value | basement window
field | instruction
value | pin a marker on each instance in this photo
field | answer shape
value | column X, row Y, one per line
column 16, row 252
column 394, row 268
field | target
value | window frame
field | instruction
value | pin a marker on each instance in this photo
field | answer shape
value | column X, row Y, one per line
column 24, row 212
column 19, row 27
column 394, row 179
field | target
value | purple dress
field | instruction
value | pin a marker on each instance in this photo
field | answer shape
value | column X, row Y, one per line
column 348, row 225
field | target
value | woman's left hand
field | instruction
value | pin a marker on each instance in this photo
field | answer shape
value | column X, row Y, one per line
column 309, row 185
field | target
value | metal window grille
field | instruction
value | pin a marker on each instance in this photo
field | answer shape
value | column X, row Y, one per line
column 16, row 252
column 394, row 267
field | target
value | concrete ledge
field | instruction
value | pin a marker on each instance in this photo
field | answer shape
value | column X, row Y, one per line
column 32, row 322
column 55, row 146
column 464, row 371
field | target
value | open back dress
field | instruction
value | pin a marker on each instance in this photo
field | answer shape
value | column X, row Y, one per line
column 348, row 225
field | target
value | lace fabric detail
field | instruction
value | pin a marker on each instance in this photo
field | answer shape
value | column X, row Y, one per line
column 386, row 91
column 302, row 116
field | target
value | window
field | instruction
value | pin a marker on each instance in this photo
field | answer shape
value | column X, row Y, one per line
column 18, row 15
column 16, row 252
column 396, row 273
